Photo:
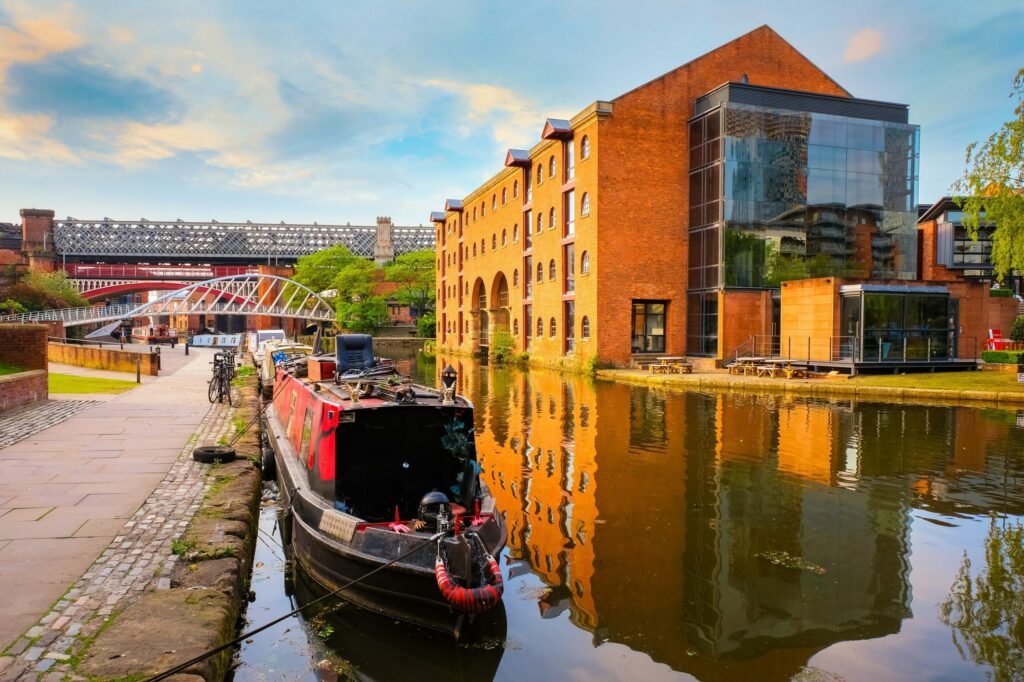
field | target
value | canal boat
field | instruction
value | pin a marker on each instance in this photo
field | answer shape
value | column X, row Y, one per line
column 380, row 485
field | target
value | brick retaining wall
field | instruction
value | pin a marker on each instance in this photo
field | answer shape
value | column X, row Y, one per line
column 22, row 388
column 23, row 345
column 102, row 358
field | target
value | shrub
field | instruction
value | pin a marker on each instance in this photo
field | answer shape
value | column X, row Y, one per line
column 1000, row 293
column 426, row 325
column 503, row 347
column 1017, row 330
column 11, row 307
column 1003, row 357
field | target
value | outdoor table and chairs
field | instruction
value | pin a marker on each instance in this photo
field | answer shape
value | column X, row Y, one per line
column 671, row 364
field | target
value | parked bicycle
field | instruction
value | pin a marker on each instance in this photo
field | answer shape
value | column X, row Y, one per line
column 223, row 372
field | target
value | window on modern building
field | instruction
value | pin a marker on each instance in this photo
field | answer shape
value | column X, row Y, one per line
column 569, row 268
column 540, row 273
column 649, row 326
column 570, row 160
column 515, row 189
column 585, row 205
column 552, row 328
column 515, row 278
column 540, row 221
column 585, row 148
column 552, row 166
column 515, row 327
column 552, row 221
column 540, row 328
column 494, row 202
column 504, row 196
column 552, row 270
column 540, row 174
column 569, row 315
column 515, row 233
column 585, row 263
column 569, row 211
column 585, row 327
column 504, row 237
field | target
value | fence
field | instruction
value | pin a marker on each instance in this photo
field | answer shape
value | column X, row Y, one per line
column 876, row 348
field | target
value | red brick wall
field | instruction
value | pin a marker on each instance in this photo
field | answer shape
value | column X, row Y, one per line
column 928, row 268
column 22, row 388
column 644, row 166
column 36, row 229
column 23, row 345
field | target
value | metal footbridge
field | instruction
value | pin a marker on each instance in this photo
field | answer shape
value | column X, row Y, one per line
column 248, row 294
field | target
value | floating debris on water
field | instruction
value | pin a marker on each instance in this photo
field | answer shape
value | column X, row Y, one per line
column 787, row 560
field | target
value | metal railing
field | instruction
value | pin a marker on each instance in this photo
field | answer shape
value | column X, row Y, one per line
column 67, row 315
column 907, row 347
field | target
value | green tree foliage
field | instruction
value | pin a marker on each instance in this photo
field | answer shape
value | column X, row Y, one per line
column 426, row 325
column 415, row 275
column 318, row 270
column 1017, row 330
column 39, row 290
column 11, row 307
column 357, row 307
column 503, row 346
column 991, row 190
column 986, row 610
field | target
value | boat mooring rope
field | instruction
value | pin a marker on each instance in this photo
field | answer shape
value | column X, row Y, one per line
column 238, row 640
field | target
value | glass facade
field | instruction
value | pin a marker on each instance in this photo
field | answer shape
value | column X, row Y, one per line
column 885, row 327
column 780, row 194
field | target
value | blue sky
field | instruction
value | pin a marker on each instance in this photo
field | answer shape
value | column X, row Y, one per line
column 338, row 111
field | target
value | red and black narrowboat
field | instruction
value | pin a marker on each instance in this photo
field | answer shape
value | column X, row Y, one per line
column 380, row 484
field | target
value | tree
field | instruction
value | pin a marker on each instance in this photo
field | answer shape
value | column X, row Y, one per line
column 38, row 290
column 358, row 308
column 318, row 270
column 414, row 273
column 991, row 191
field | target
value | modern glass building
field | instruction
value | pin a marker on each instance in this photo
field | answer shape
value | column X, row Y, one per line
column 788, row 185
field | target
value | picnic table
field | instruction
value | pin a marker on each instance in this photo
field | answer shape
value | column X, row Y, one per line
column 746, row 365
column 671, row 364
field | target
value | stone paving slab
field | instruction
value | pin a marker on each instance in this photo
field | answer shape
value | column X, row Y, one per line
column 93, row 470
column 29, row 420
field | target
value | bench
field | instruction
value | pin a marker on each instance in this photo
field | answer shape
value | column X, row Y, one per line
column 671, row 364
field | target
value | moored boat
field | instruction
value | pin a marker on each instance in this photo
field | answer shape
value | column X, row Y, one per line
column 381, row 485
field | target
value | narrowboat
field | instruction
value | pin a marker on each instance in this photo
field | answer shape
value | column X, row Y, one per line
column 381, row 488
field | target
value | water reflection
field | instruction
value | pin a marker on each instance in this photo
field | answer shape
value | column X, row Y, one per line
column 728, row 535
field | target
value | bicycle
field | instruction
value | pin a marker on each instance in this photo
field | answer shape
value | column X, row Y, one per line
column 223, row 372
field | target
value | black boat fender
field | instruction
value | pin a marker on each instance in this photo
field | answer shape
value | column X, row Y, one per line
column 471, row 600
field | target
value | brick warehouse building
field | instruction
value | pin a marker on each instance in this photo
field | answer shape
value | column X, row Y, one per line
column 667, row 220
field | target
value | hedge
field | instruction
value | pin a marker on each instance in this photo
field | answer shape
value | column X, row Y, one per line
column 1000, row 293
column 1003, row 357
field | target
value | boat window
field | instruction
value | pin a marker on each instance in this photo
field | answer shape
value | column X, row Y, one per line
column 291, row 413
column 307, row 429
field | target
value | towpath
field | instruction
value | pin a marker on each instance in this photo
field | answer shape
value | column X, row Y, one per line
column 66, row 491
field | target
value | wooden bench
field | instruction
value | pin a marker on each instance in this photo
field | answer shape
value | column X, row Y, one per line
column 671, row 364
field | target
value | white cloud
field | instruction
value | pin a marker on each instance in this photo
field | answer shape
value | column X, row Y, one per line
column 862, row 45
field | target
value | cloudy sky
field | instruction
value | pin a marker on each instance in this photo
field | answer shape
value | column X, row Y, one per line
column 339, row 111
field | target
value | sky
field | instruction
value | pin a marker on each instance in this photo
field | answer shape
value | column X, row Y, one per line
column 338, row 111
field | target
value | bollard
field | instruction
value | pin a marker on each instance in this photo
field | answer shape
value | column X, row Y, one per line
column 138, row 369
column 186, row 348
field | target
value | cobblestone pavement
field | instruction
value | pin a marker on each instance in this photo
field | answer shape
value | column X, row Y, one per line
column 139, row 558
column 29, row 420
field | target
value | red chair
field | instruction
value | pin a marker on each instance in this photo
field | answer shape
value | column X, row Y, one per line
column 997, row 342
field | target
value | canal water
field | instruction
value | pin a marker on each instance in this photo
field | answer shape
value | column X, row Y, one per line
column 713, row 536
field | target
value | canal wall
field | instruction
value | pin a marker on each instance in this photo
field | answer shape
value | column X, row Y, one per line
column 819, row 387
column 103, row 358
column 198, row 604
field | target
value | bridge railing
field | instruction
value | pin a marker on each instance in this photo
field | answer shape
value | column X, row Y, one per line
column 83, row 314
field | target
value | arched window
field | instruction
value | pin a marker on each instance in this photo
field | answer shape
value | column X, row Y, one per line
column 515, row 277
column 504, row 237
column 474, row 249
column 515, row 189
column 552, row 328
column 467, row 253
column 551, row 219
column 515, row 327
column 515, row 232
column 540, row 328
column 551, row 166
column 494, row 202
column 585, row 147
column 540, row 174
column 483, row 246
column 494, row 242
column 467, row 326
column 585, row 205
column 540, row 273
column 467, row 288
column 585, row 327
column 552, row 270
column 585, row 263
column 504, row 196
column 474, row 213
column 540, row 221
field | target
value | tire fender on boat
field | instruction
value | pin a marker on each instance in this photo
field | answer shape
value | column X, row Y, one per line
column 471, row 600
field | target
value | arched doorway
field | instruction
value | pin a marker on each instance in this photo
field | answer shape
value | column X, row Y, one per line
column 500, row 309
column 479, row 313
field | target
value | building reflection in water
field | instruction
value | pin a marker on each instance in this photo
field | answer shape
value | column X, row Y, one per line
column 727, row 535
